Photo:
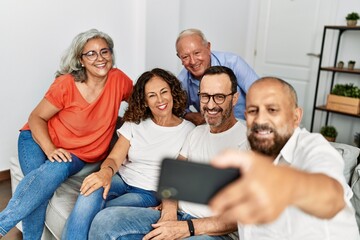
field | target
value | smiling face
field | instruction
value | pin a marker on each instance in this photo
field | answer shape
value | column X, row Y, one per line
column 99, row 68
column 220, row 117
column 158, row 97
column 271, row 115
column 195, row 56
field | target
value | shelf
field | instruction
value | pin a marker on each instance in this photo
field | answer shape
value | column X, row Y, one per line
column 343, row 27
column 323, row 108
column 343, row 70
column 334, row 71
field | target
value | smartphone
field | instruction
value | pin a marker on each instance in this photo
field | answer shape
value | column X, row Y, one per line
column 192, row 181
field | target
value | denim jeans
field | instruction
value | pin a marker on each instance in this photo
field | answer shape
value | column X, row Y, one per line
column 41, row 178
column 132, row 223
column 120, row 194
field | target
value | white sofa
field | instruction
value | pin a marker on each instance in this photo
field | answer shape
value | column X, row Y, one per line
column 65, row 196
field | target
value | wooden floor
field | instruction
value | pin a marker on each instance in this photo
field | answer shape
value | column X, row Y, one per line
column 5, row 195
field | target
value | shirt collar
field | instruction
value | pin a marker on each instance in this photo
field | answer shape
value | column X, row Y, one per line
column 286, row 154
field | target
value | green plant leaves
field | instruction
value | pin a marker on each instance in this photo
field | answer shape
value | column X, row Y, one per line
column 346, row 90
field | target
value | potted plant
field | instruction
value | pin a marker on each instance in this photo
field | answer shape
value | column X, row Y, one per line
column 346, row 90
column 351, row 19
column 329, row 132
column 340, row 64
column 344, row 98
column 351, row 64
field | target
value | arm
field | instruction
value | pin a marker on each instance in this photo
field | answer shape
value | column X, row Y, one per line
column 168, row 210
column 108, row 168
column 255, row 197
column 212, row 226
column 39, row 129
column 195, row 117
column 215, row 226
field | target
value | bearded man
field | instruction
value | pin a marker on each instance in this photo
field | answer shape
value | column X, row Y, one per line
column 292, row 184
column 179, row 219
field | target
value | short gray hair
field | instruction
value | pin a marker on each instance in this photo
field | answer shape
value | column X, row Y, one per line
column 70, row 61
column 192, row 31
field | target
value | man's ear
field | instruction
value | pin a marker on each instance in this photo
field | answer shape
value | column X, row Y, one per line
column 208, row 46
column 298, row 116
column 235, row 98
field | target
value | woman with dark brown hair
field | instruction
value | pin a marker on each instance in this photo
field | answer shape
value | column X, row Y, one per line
column 153, row 129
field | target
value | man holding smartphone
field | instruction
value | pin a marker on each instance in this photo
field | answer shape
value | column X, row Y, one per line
column 177, row 220
column 292, row 184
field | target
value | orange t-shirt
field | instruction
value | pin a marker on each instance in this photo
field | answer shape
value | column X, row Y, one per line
column 79, row 127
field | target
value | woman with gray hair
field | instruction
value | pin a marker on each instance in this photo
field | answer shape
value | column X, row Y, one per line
column 71, row 126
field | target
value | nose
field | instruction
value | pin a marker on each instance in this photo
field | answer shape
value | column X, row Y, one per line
column 260, row 117
column 192, row 59
column 159, row 98
column 99, row 57
column 211, row 104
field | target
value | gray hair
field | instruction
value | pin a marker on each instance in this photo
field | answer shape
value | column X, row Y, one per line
column 70, row 61
column 192, row 31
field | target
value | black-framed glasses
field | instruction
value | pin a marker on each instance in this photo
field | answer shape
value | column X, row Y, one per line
column 93, row 55
column 218, row 98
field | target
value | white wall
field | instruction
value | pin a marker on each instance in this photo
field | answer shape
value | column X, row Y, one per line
column 35, row 33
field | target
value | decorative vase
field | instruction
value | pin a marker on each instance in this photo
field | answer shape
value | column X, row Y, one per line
column 340, row 65
column 351, row 66
column 351, row 23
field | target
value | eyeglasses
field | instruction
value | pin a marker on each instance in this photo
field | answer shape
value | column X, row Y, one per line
column 217, row 98
column 93, row 55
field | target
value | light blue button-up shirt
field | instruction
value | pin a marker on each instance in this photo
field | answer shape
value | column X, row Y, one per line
column 244, row 73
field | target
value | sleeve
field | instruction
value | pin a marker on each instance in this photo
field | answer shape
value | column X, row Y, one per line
column 58, row 93
column 128, row 87
column 321, row 157
column 125, row 130
column 184, row 151
column 184, row 84
column 244, row 73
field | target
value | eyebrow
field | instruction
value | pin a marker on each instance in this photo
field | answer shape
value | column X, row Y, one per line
column 160, row 90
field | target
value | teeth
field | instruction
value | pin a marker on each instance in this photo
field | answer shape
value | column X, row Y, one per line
column 162, row 107
column 196, row 66
column 212, row 112
column 264, row 132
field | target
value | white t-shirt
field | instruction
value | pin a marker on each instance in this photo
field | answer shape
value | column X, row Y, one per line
column 149, row 144
column 201, row 146
column 308, row 152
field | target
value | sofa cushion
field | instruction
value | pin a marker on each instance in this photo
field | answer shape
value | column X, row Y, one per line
column 63, row 201
column 350, row 155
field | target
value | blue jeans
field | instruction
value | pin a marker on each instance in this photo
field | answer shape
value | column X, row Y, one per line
column 132, row 223
column 120, row 194
column 41, row 179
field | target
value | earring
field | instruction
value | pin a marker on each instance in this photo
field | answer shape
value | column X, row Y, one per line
column 82, row 65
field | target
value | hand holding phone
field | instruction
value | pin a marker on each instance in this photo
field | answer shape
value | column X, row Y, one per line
column 192, row 181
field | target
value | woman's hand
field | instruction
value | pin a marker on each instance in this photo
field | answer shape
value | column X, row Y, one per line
column 96, row 180
column 59, row 155
column 168, row 210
